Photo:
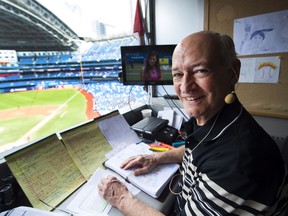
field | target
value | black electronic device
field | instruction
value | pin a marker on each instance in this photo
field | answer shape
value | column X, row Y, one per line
column 133, row 62
column 149, row 125
column 167, row 135
column 155, row 129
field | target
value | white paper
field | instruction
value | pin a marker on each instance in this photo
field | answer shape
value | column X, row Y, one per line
column 127, row 152
column 260, row 70
column 152, row 182
column 89, row 202
column 265, row 33
column 118, row 132
column 29, row 211
column 167, row 114
column 181, row 112
column 175, row 118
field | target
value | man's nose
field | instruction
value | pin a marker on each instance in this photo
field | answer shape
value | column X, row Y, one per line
column 188, row 83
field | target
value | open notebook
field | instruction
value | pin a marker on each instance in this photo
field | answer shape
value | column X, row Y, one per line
column 152, row 183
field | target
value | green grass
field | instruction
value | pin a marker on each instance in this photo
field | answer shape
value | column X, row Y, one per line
column 15, row 128
column 34, row 98
column 72, row 112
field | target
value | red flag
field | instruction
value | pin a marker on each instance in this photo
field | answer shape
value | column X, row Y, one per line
column 138, row 23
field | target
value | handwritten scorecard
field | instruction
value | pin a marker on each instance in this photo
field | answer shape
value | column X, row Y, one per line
column 46, row 172
column 87, row 146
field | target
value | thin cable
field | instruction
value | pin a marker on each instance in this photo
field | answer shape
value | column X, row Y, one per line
column 211, row 128
column 176, row 105
column 229, row 123
column 165, row 99
column 170, row 184
column 129, row 96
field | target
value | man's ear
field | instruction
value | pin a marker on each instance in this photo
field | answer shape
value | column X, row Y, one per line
column 236, row 70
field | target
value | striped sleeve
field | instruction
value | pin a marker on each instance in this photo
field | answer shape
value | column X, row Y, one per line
column 202, row 196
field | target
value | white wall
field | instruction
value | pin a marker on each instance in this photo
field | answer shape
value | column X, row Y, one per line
column 173, row 21
column 176, row 19
column 276, row 127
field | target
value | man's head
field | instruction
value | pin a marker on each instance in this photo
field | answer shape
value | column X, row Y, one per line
column 205, row 69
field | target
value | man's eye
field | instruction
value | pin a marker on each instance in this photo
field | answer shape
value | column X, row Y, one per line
column 176, row 74
column 201, row 73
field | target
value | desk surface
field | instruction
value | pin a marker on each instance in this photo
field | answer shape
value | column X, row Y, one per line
column 164, row 205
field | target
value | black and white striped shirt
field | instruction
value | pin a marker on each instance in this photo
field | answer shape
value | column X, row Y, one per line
column 236, row 170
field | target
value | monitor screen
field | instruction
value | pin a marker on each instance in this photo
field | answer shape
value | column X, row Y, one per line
column 147, row 65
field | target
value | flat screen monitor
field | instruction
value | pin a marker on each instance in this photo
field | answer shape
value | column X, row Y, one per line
column 147, row 65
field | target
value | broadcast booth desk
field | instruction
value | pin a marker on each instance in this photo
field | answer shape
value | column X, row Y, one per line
column 61, row 150
column 164, row 205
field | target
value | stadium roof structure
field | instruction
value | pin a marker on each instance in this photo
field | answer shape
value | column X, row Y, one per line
column 25, row 25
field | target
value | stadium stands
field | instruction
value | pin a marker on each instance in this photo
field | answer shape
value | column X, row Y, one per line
column 96, row 71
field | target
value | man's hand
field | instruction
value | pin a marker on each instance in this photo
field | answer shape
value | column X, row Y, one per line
column 112, row 190
column 141, row 164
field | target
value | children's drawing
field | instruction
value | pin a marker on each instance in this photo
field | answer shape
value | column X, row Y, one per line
column 266, row 72
column 260, row 70
column 266, row 33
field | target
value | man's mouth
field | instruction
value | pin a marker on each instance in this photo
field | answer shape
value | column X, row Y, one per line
column 193, row 98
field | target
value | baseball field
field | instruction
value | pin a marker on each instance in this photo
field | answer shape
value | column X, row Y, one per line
column 30, row 115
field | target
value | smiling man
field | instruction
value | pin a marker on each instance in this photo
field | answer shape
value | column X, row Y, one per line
column 203, row 75
column 229, row 164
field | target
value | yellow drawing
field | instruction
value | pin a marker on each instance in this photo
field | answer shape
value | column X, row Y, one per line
column 267, row 64
column 266, row 70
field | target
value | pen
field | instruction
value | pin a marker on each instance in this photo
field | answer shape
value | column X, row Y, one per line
column 176, row 144
column 159, row 149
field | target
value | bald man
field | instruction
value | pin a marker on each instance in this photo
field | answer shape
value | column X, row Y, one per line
column 229, row 164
